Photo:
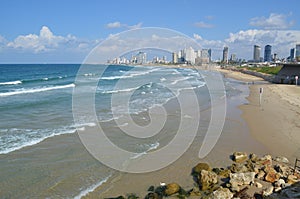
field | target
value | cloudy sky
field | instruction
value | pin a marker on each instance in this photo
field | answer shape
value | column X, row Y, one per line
column 65, row 31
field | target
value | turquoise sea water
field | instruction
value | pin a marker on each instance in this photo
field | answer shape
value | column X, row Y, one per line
column 41, row 155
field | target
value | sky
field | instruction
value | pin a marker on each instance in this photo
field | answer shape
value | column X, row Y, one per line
column 65, row 31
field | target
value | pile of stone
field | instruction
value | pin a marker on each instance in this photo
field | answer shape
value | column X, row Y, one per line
column 248, row 177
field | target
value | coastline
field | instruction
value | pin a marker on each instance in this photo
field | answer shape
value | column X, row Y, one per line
column 275, row 124
column 236, row 136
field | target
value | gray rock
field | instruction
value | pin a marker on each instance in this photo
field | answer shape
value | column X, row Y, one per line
column 207, row 179
column 268, row 191
column 240, row 157
column 238, row 179
column 221, row 193
column 281, row 159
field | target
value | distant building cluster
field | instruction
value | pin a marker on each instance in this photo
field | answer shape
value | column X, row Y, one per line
column 198, row 57
column 191, row 56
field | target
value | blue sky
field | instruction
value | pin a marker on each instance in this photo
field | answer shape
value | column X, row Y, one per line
column 74, row 27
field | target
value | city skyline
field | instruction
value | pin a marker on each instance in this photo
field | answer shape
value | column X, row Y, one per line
column 47, row 32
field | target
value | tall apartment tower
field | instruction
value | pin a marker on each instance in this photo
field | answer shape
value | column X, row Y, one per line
column 298, row 52
column 256, row 53
column 225, row 55
column 292, row 54
column 268, row 53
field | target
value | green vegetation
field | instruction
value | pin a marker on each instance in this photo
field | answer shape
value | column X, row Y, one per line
column 266, row 69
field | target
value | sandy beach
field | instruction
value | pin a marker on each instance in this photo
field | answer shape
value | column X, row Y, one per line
column 275, row 123
column 268, row 129
column 236, row 136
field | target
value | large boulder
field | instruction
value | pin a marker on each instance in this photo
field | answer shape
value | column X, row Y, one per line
column 238, row 179
column 201, row 166
column 207, row 179
column 239, row 157
column 281, row 159
column 271, row 175
column 171, row 189
column 221, row 193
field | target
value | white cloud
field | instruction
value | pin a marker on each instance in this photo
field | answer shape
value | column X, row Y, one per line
column 274, row 21
column 202, row 24
column 46, row 41
column 118, row 24
column 241, row 43
column 197, row 37
column 139, row 25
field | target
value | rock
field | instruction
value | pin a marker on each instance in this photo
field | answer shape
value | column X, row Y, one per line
column 283, row 170
column 195, row 192
column 118, row 197
column 239, row 157
column 292, row 179
column 132, row 196
column 223, row 173
column 153, row 196
column 261, row 174
column 272, row 175
column 253, row 157
column 171, row 189
column 207, row 179
column 268, row 191
column 221, row 193
column 238, row 168
column 266, row 160
column 280, row 183
column 281, row 159
column 258, row 185
column 151, row 188
column 238, row 179
column 201, row 166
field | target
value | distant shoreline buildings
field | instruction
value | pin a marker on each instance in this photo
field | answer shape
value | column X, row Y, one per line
column 190, row 56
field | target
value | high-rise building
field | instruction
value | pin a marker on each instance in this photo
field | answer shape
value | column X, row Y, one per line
column 268, row 53
column 225, row 55
column 209, row 54
column 298, row 52
column 174, row 58
column 292, row 55
column 190, row 55
column 233, row 57
column 205, row 59
column 141, row 58
column 256, row 53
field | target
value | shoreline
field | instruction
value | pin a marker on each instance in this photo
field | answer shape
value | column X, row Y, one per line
column 235, row 137
column 270, row 139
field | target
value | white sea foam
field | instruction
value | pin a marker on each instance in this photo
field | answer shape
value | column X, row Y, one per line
column 151, row 147
column 130, row 74
column 120, row 90
column 31, row 141
column 35, row 90
column 11, row 83
column 29, row 137
column 92, row 188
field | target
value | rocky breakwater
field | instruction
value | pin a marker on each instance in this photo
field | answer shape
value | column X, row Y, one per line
column 248, row 177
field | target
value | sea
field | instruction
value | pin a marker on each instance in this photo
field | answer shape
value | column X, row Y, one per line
column 41, row 154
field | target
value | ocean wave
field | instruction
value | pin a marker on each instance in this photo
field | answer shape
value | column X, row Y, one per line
column 151, row 148
column 92, row 188
column 129, row 75
column 11, row 82
column 35, row 90
column 16, row 139
column 180, row 80
column 119, row 91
